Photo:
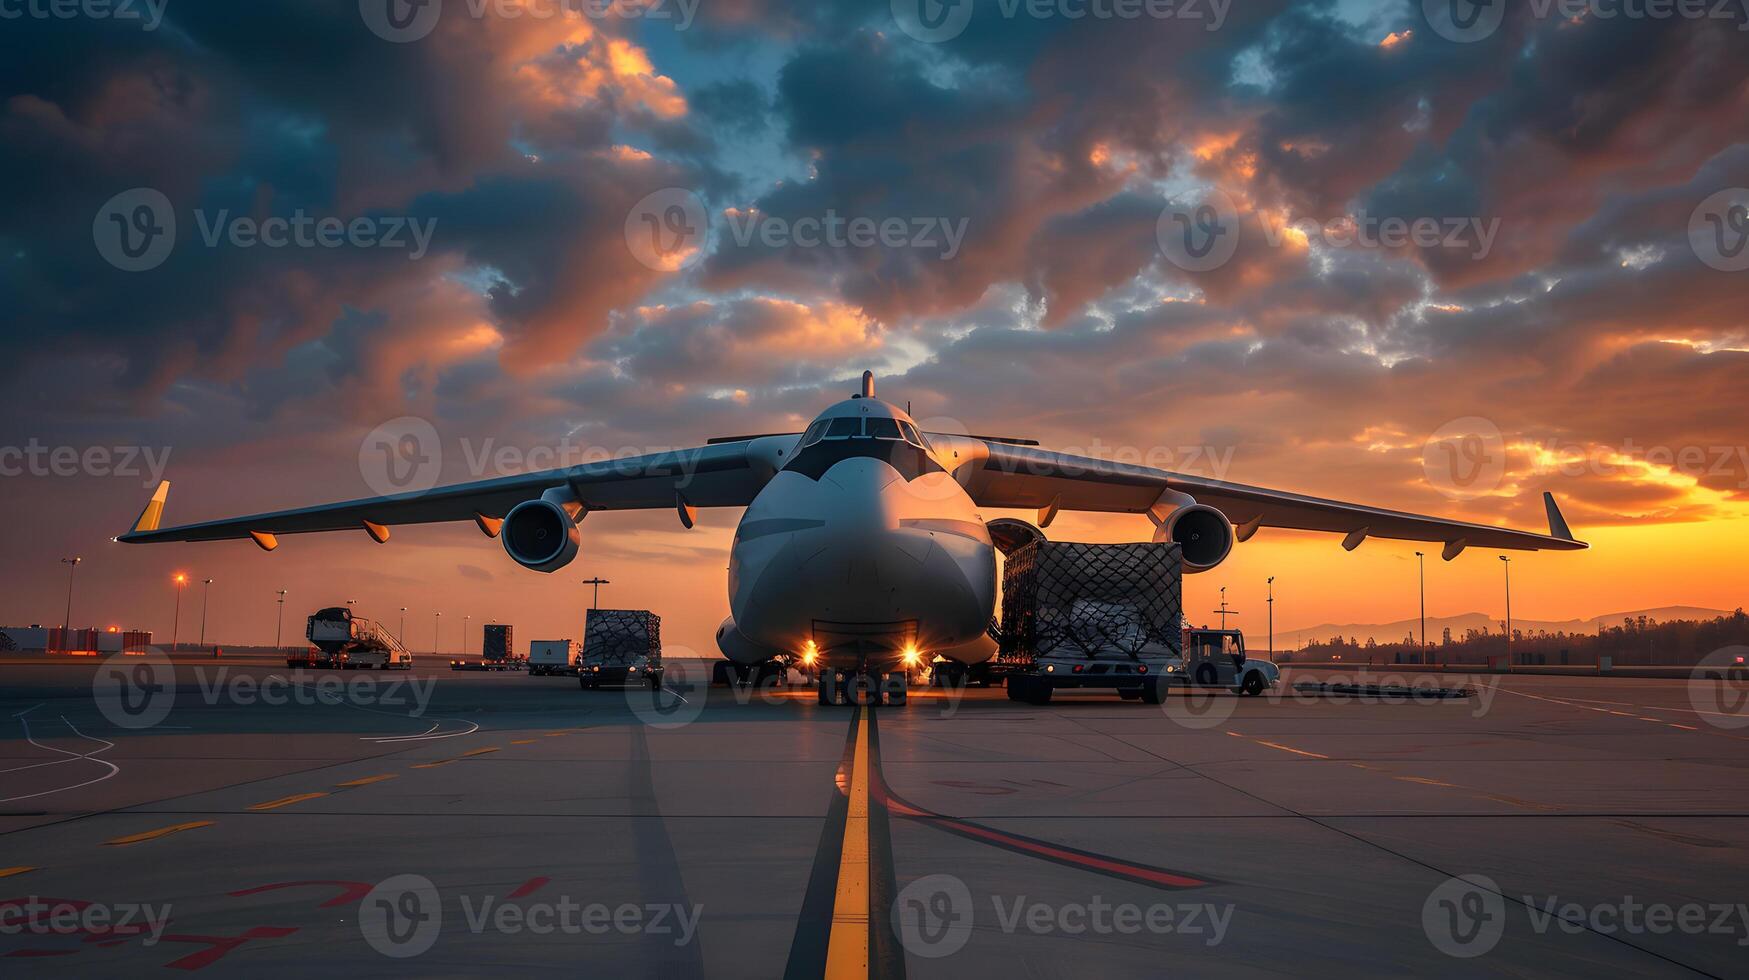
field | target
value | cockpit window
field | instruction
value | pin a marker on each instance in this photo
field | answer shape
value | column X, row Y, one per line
column 911, row 435
column 844, row 427
column 882, row 428
column 814, row 433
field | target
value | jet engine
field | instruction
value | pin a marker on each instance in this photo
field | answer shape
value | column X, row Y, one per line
column 1204, row 534
column 541, row 535
column 741, row 650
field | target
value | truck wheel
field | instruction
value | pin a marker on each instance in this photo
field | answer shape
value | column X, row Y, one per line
column 1253, row 684
column 1206, row 675
column 1154, row 690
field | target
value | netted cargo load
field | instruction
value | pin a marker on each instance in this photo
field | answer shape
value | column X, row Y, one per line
column 497, row 641
column 1064, row 599
column 622, row 637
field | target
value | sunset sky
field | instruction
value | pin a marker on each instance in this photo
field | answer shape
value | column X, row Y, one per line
column 1578, row 324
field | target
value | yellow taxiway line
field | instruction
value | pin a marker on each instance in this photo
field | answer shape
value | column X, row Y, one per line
column 287, row 801
column 847, row 948
column 366, row 781
column 174, row 828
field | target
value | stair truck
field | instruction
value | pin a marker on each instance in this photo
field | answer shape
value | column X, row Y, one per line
column 621, row 646
column 348, row 642
column 1105, row 616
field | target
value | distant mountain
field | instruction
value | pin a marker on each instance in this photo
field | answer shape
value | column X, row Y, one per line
column 1397, row 631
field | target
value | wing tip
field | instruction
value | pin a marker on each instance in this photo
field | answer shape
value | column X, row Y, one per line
column 150, row 516
column 1557, row 524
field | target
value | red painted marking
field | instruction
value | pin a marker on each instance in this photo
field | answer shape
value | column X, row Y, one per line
column 1037, row 848
column 529, row 887
column 218, row 946
column 351, row 892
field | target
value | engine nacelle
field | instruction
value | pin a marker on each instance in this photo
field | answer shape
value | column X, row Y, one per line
column 741, row 650
column 1204, row 534
column 541, row 535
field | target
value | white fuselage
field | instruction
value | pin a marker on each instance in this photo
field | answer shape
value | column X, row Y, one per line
column 865, row 547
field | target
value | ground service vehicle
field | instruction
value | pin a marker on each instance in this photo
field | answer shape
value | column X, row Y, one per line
column 347, row 641
column 547, row 657
column 621, row 646
column 1216, row 658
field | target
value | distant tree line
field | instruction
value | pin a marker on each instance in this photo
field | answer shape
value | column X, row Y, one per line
column 1638, row 641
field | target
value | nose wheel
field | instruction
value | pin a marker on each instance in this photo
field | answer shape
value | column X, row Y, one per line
column 839, row 687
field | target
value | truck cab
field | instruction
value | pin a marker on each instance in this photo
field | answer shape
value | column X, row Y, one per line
column 1216, row 658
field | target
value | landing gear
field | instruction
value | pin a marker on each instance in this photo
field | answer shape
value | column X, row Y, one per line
column 949, row 673
column 840, row 687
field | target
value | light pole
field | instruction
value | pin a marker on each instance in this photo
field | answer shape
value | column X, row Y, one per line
column 176, row 618
column 598, row 583
column 279, row 626
column 1272, row 617
column 67, row 624
column 1224, row 610
column 206, row 593
column 1421, row 561
column 465, row 633
column 436, row 622
column 1508, row 567
column 402, row 636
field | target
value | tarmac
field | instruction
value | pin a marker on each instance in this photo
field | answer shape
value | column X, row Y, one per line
column 241, row 818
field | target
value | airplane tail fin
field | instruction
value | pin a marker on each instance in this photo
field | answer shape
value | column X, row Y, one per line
column 1557, row 524
column 154, row 511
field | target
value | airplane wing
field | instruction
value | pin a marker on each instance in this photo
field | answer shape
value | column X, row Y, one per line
column 1023, row 476
column 718, row 475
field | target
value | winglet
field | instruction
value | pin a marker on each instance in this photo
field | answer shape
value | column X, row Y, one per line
column 1557, row 524
column 154, row 511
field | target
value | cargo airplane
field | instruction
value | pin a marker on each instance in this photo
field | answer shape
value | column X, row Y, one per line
column 863, row 546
